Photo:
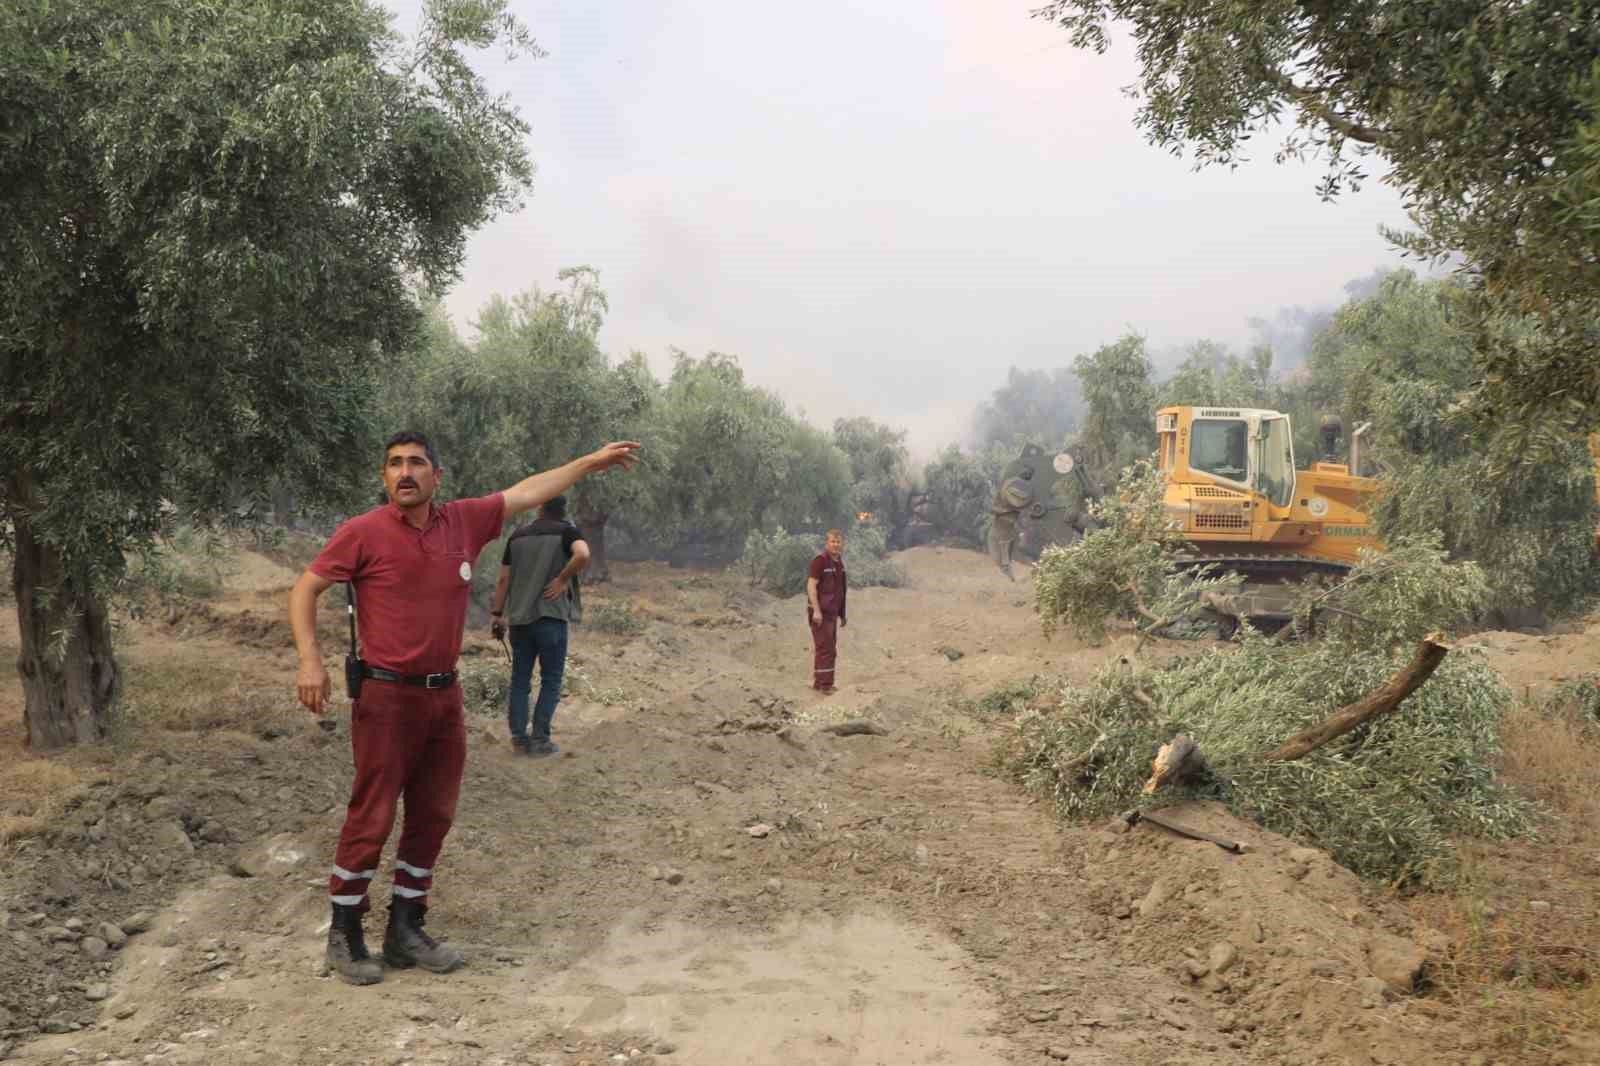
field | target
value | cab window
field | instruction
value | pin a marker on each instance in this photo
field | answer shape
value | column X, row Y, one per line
column 1220, row 447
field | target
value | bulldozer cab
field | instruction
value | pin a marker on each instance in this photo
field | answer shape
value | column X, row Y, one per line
column 1249, row 450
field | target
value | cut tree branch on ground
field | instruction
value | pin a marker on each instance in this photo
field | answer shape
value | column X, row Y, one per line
column 1180, row 758
column 1177, row 760
column 1430, row 653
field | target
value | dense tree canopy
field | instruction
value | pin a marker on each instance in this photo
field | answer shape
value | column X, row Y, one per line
column 880, row 471
column 211, row 217
column 1399, row 360
column 1032, row 405
column 532, row 391
column 1119, row 420
column 740, row 460
column 1484, row 113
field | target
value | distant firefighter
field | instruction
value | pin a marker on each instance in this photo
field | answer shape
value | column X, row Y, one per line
column 826, row 589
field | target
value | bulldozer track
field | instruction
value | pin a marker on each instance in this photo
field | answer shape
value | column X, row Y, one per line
column 1269, row 568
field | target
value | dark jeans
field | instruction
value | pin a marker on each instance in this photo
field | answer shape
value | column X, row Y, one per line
column 545, row 639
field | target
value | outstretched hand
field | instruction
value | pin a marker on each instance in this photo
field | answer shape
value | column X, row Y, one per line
column 623, row 453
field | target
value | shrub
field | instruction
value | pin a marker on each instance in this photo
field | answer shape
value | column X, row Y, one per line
column 615, row 618
column 780, row 561
column 1124, row 568
column 1009, row 698
column 1384, row 800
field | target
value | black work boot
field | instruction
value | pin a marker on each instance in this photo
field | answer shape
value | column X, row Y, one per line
column 521, row 745
column 347, row 949
column 406, row 945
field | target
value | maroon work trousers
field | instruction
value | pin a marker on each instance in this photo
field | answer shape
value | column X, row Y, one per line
column 825, row 645
column 409, row 742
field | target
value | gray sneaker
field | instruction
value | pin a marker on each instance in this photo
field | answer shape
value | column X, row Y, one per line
column 542, row 747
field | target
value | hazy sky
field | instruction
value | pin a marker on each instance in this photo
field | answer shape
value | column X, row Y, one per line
column 880, row 206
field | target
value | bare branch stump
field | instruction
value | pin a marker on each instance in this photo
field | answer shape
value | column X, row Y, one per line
column 1430, row 653
column 1177, row 760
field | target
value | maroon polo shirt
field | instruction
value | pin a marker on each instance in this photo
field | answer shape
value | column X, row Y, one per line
column 412, row 585
column 832, row 587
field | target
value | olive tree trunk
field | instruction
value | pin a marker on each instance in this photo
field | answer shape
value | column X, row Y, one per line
column 70, row 679
column 593, row 525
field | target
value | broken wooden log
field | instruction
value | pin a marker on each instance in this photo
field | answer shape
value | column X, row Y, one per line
column 856, row 727
column 1177, row 760
column 1378, row 702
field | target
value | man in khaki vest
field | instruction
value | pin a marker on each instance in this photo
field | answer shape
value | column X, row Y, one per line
column 537, row 596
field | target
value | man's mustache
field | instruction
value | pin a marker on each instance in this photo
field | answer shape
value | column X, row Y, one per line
column 407, row 483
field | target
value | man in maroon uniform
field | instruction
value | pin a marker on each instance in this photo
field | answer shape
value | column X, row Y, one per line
column 825, row 598
column 410, row 564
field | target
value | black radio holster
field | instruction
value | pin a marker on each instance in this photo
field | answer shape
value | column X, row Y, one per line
column 352, row 676
column 353, row 666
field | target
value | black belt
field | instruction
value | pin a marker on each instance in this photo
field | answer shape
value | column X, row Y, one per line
column 378, row 673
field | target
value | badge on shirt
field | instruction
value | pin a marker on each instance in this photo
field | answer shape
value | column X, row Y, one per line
column 466, row 571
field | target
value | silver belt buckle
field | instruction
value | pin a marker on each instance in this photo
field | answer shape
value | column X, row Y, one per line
column 436, row 680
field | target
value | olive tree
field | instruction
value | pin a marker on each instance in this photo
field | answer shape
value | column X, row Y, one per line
column 212, row 218
column 1400, row 359
column 738, row 460
column 1485, row 114
column 532, row 390
column 1119, row 421
column 880, row 473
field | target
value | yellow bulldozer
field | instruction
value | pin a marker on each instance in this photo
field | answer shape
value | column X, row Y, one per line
column 1233, row 490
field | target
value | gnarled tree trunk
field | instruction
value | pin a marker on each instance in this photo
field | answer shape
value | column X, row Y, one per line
column 70, row 679
column 593, row 524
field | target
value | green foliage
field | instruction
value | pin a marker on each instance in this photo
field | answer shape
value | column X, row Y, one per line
column 1486, row 115
column 738, row 461
column 212, row 217
column 485, row 684
column 1402, row 359
column 1579, row 694
column 533, row 391
column 1385, row 800
column 617, row 619
column 780, row 561
column 1119, row 425
column 1033, row 405
column 1396, row 597
column 867, row 554
column 1012, row 697
column 1212, row 376
column 880, row 471
column 1123, row 568
column 960, row 487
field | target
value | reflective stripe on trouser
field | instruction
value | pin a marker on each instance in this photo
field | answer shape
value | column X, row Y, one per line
column 411, row 743
column 825, row 642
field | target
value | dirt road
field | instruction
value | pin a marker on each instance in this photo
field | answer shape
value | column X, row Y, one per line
column 705, row 876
